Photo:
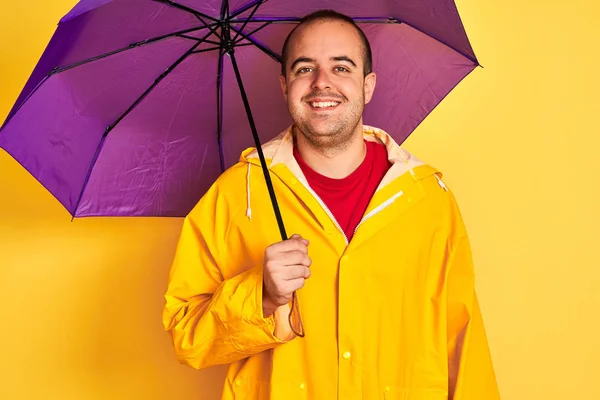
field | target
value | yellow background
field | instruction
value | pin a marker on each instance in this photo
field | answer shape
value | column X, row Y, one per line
column 80, row 301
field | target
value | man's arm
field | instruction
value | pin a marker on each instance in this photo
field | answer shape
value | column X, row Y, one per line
column 471, row 372
column 214, row 320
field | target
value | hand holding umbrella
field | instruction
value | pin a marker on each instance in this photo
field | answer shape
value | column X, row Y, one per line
column 286, row 268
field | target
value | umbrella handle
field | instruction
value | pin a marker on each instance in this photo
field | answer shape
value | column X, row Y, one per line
column 294, row 314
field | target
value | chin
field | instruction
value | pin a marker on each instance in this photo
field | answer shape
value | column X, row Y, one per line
column 322, row 132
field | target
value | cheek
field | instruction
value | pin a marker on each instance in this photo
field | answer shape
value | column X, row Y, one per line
column 349, row 88
column 296, row 90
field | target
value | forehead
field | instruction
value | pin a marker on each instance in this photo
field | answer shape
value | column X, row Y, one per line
column 325, row 39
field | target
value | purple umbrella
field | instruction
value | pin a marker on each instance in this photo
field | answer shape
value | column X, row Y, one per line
column 137, row 106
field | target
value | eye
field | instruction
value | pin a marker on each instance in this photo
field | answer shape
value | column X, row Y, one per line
column 341, row 69
column 304, row 70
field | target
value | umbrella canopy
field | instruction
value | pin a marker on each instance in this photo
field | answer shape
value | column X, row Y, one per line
column 137, row 106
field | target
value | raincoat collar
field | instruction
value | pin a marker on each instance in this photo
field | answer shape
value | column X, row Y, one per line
column 279, row 151
column 400, row 189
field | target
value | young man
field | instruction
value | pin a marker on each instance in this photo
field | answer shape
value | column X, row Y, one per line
column 380, row 260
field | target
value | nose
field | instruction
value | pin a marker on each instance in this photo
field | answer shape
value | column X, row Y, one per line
column 321, row 80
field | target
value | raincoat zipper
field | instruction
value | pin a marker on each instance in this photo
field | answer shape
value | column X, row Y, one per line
column 373, row 212
column 379, row 208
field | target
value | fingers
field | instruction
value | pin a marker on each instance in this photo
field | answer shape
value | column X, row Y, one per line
column 296, row 284
column 288, row 260
column 296, row 258
column 295, row 243
column 296, row 272
column 295, row 236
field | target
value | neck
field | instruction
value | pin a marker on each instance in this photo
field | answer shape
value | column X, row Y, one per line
column 336, row 163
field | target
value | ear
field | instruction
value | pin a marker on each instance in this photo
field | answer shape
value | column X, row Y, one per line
column 370, row 81
column 283, row 84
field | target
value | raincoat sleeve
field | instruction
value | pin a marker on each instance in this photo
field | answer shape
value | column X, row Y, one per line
column 471, row 372
column 213, row 320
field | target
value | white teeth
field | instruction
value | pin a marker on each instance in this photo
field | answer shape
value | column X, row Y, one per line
column 323, row 104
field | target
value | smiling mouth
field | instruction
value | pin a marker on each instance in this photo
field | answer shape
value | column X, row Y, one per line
column 323, row 105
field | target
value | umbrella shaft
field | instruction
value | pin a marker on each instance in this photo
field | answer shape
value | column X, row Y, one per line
column 258, row 147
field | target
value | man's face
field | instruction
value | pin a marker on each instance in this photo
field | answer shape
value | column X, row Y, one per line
column 324, row 84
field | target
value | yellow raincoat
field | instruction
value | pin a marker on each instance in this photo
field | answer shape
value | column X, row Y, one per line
column 391, row 315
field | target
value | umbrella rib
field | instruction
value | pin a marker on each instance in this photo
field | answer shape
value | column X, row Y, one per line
column 247, row 7
column 366, row 20
column 10, row 116
column 190, row 10
column 220, row 108
column 253, row 32
column 156, row 82
column 205, row 50
column 122, row 116
column 258, row 4
column 265, row 49
column 273, row 20
column 196, row 13
column 225, row 33
column 209, row 27
column 244, row 44
column 196, row 39
column 377, row 20
column 141, row 43
column 224, row 9
column 468, row 57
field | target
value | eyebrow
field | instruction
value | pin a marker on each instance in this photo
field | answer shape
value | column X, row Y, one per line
column 310, row 60
column 344, row 58
column 301, row 60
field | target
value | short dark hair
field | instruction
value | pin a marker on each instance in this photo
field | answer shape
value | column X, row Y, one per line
column 330, row 15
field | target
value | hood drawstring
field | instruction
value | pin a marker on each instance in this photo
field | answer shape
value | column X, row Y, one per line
column 441, row 182
column 248, row 209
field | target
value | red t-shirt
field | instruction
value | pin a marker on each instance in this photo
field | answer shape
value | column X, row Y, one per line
column 348, row 198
